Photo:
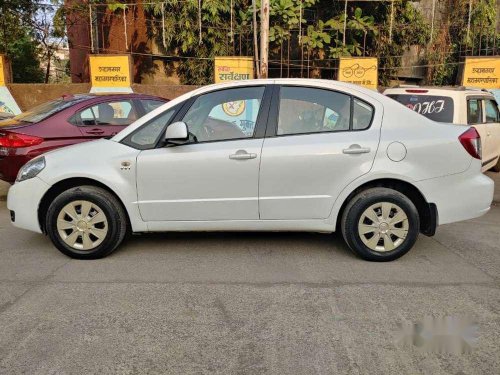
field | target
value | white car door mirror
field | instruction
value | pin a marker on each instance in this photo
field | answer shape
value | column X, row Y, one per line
column 176, row 133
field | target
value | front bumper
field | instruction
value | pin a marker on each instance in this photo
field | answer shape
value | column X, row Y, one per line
column 23, row 200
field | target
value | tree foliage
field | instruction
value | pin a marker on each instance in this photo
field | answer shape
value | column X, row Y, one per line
column 17, row 40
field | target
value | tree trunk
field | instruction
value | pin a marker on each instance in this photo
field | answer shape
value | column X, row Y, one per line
column 264, row 38
column 47, row 71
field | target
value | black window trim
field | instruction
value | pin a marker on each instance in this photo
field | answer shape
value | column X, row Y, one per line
column 272, row 125
column 77, row 116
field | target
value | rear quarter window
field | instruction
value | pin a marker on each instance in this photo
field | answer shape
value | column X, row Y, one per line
column 436, row 108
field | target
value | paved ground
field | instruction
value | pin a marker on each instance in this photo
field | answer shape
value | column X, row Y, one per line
column 244, row 303
column 4, row 188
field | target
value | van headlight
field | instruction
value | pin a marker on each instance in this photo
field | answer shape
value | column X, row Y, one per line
column 31, row 169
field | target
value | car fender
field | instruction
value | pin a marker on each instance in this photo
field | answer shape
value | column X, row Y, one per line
column 118, row 173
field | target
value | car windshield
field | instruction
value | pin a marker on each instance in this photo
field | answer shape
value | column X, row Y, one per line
column 436, row 108
column 48, row 109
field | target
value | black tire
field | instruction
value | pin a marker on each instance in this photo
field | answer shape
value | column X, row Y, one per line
column 111, row 208
column 355, row 209
column 496, row 168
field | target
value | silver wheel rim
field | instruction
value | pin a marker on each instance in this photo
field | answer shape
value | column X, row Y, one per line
column 383, row 226
column 82, row 225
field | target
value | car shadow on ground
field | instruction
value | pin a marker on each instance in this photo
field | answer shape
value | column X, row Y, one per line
column 258, row 242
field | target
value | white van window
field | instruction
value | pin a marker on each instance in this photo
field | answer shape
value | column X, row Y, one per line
column 434, row 107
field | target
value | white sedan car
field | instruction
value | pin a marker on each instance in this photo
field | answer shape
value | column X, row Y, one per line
column 262, row 155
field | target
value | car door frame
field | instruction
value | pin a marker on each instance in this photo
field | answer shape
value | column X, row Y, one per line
column 259, row 133
column 482, row 129
column 493, row 128
column 272, row 129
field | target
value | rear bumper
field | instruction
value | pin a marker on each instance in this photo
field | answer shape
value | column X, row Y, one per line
column 23, row 201
column 461, row 196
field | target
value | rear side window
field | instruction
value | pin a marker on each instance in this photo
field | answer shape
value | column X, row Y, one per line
column 305, row 110
column 474, row 115
column 362, row 115
column 491, row 109
column 434, row 107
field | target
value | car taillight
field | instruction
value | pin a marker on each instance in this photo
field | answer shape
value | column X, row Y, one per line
column 13, row 140
column 471, row 142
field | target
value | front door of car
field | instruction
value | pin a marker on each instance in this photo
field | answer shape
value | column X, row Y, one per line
column 320, row 141
column 214, row 175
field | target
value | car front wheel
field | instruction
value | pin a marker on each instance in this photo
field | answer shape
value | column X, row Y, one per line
column 380, row 224
column 86, row 222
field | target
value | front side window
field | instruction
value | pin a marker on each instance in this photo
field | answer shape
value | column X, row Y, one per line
column 120, row 113
column 224, row 115
column 149, row 134
column 474, row 115
column 491, row 109
column 305, row 110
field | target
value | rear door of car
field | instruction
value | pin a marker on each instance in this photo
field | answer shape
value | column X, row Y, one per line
column 492, row 119
column 105, row 118
column 317, row 142
column 475, row 118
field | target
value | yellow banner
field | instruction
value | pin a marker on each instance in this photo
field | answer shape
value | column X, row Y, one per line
column 483, row 72
column 2, row 70
column 110, row 71
column 361, row 71
column 233, row 69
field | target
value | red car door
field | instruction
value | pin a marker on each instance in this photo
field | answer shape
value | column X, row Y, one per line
column 107, row 118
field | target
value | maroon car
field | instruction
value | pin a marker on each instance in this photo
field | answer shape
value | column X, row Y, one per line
column 66, row 121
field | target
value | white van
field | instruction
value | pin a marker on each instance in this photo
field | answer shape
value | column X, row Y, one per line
column 458, row 105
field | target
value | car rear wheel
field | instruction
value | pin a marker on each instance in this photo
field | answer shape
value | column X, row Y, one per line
column 380, row 224
column 496, row 168
column 86, row 222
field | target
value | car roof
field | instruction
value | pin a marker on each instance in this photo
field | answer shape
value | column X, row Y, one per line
column 88, row 96
column 434, row 89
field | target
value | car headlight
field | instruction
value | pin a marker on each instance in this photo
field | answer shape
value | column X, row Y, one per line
column 31, row 169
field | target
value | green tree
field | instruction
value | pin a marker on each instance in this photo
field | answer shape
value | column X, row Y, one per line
column 17, row 40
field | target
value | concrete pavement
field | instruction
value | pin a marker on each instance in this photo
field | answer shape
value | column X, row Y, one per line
column 4, row 188
column 268, row 303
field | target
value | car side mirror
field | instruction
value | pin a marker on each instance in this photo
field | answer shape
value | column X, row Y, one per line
column 177, row 133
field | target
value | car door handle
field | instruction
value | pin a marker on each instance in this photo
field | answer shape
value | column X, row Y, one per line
column 242, row 155
column 95, row 131
column 356, row 149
